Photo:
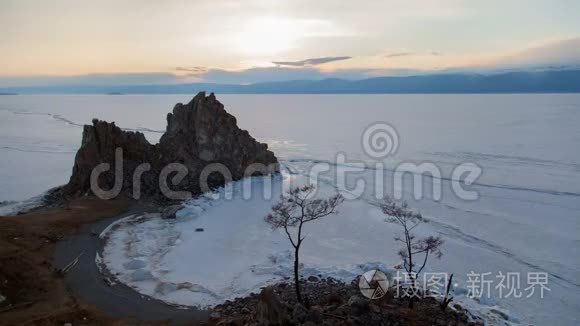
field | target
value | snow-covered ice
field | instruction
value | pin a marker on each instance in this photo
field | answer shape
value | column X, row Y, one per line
column 525, row 220
column 238, row 253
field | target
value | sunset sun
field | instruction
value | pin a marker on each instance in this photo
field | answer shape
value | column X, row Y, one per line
column 267, row 36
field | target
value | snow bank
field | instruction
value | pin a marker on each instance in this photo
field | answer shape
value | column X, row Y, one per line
column 115, row 225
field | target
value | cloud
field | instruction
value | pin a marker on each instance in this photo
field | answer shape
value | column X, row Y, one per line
column 556, row 53
column 145, row 78
column 399, row 54
column 408, row 54
column 561, row 54
column 196, row 69
column 310, row 62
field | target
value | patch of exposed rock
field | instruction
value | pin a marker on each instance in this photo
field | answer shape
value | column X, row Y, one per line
column 332, row 302
column 198, row 134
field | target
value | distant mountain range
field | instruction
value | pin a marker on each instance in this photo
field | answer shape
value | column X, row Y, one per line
column 563, row 81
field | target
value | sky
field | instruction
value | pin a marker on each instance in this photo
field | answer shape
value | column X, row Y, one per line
column 224, row 41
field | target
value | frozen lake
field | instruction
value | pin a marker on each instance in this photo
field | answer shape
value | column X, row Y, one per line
column 525, row 220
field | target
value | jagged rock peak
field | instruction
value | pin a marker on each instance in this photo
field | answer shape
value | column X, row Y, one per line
column 198, row 133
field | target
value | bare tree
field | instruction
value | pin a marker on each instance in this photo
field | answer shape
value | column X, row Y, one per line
column 446, row 300
column 296, row 208
column 413, row 247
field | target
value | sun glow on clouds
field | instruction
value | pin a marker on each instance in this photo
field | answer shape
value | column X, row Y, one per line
column 232, row 35
column 270, row 35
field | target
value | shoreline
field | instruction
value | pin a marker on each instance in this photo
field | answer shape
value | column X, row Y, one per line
column 35, row 292
column 93, row 286
column 36, row 244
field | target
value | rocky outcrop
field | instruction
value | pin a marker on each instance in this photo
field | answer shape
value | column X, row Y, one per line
column 199, row 134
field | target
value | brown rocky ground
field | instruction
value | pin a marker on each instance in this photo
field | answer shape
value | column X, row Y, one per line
column 334, row 303
column 35, row 293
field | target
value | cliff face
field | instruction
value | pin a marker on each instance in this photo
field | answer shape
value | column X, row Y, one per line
column 198, row 134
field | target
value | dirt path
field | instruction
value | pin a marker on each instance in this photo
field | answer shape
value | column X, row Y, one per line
column 37, row 295
column 118, row 300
